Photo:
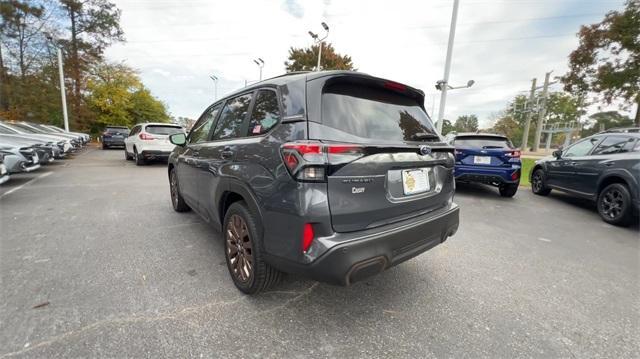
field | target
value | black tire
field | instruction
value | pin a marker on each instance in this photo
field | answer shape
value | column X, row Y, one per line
column 178, row 203
column 104, row 147
column 137, row 158
column 508, row 190
column 538, row 183
column 127, row 156
column 614, row 205
column 244, row 242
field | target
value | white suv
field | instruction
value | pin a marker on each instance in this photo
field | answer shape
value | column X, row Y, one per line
column 150, row 141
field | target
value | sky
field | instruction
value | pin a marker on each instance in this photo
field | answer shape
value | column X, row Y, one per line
column 500, row 44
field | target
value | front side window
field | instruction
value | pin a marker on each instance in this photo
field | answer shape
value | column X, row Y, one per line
column 201, row 129
column 232, row 118
column 266, row 113
column 581, row 148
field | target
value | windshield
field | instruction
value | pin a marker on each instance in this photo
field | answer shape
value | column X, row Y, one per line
column 375, row 113
column 482, row 142
column 163, row 130
column 25, row 128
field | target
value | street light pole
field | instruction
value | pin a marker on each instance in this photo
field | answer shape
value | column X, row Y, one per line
column 260, row 64
column 215, row 84
column 63, row 94
column 447, row 66
column 320, row 42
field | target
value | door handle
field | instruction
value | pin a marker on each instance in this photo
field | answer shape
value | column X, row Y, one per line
column 227, row 153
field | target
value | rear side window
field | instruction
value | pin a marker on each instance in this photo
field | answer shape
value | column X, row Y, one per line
column 482, row 142
column 163, row 130
column 266, row 113
column 200, row 132
column 232, row 118
column 374, row 113
column 613, row 144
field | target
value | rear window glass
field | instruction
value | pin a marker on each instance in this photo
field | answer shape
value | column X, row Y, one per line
column 117, row 130
column 373, row 113
column 482, row 142
column 163, row 130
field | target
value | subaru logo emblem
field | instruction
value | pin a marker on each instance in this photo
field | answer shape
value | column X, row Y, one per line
column 425, row 150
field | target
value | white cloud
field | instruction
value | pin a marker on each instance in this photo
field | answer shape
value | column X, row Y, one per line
column 500, row 44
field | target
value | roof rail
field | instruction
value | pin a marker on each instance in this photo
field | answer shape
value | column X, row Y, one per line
column 622, row 130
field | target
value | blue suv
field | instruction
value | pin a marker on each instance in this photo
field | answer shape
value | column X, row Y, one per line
column 487, row 158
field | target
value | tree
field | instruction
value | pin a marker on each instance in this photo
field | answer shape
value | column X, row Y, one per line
column 607, row 120
column 306, row 59
column 117, row 97
column 446, row 126
column 466, row 123
column 93, row 25
column 607, row 60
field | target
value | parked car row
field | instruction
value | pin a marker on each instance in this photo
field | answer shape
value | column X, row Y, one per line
column 25, row 146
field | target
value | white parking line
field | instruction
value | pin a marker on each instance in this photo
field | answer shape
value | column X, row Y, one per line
column 25, row 184
column 544, row 239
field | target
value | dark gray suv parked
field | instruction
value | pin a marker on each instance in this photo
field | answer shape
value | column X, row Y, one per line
column 604, row 168
column 336, row 175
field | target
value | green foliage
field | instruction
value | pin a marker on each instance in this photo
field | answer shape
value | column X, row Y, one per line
column 446, row 126
column 306, row 59
column 607, row 120
column 607, row 60
column 466, row 123
column 117, row 97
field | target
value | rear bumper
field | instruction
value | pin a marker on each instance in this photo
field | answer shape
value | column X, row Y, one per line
column 487, row 175
column 113, row 141
column 369, row 252
column 155, row 155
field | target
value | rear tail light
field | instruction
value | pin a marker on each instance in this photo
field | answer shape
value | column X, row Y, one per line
column 146, row 137
column 515, row 175
column 395, row 86
column 513, row 154
column 309, row 161
column 307, row 237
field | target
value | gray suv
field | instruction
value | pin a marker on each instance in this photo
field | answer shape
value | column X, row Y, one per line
column 335, row 175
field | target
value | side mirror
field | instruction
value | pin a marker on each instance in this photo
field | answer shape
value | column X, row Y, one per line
column 557, row 153
column 178, row 139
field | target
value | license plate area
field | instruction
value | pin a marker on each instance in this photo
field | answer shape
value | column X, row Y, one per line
column 482, row 160
column 416, row 181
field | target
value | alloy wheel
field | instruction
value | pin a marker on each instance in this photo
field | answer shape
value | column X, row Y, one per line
column 239, row 249
column 173, row 185
column 537, row 182
column 612, row 203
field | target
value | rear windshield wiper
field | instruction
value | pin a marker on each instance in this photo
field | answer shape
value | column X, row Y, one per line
column 425, row 136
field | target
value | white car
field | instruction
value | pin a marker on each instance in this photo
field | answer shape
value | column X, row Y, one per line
column 150, row 141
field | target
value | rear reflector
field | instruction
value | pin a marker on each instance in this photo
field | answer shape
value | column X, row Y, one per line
column 307, row 237
column 515, row 175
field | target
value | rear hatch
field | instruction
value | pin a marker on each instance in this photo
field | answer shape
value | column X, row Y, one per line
column 116, row 132
column 485, row 151
column 398, row 166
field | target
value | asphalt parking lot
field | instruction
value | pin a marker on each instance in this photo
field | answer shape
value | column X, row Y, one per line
column 94, row 262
